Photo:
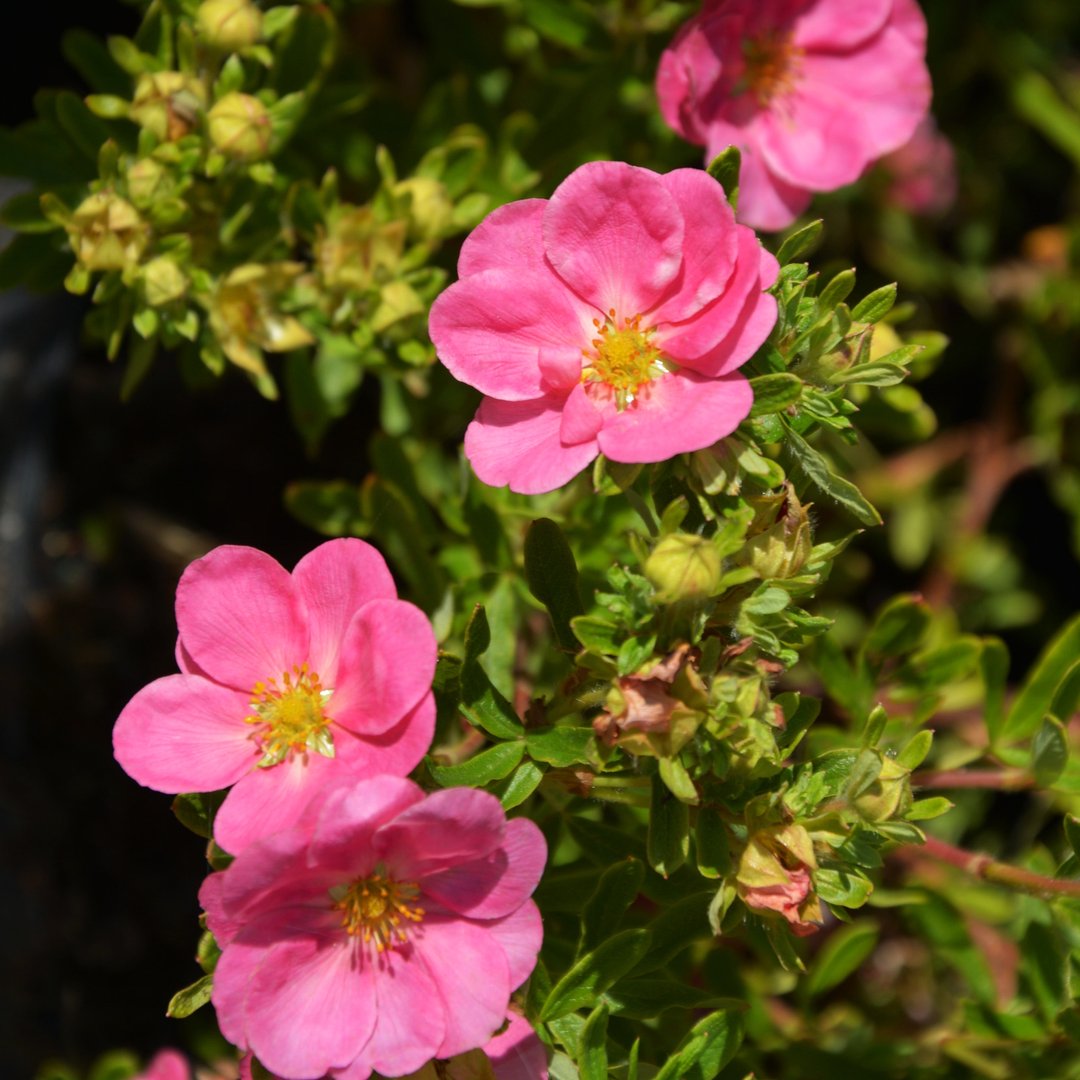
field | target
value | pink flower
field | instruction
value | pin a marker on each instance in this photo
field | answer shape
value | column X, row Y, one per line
column 923, row 172
column 166, row 1065
column 384, row 930
column 517, row 1053
column 811, row 91
column 608, row 319
column 288, row 680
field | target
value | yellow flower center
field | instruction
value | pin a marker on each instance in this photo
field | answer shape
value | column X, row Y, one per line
column 623, row 358
column 292, row 716
column 772, row 65
column 377, row 908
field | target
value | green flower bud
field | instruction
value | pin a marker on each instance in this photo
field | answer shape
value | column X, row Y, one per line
column 146, row 180
column 781, row 550
column 239, row 127
column 107, row 233
column 356, row 251
column 430, row 209
column 684, row 567
column 167, row 103
column 163, row 281
column 889, row 796
column 229, row 25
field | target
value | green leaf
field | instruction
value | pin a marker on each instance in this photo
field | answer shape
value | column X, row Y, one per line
column 876, row 305
column 711, row 843
column 597, row 635
column 994, row 666
column 677, row 780
column 525, row 780
column 481, row 702
column 617, row 889
column 709, row 1046
column 872, row 373
column 644, row 999
column 801, row 242
column 495, row 763
column 23, row 213
column 899, row 626
column 841, row 954
column 191, row 998
column 926, row 809
column 842, row 491
column 668, row 841
column 1036, row 696
column 1049, row 751
column 592, row 1050
column 560, row 746
column 1072, row 833
column 724, row 169
column 838, row 290
column 594, row 973
column 774, row 393
column 84, row 129
column 914, row 754
column 676, row 928
column 195, row 811
column 562, row 21
column 847, row 888
column 552, row 576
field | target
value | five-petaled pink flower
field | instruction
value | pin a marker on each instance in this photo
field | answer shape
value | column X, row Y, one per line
column 166, row 1064
column 287, row 680
column 609, row 319
column 384, row 930
column 811, row 91
column 922, row 173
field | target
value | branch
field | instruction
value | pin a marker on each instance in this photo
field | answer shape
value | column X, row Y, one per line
column 986, row 779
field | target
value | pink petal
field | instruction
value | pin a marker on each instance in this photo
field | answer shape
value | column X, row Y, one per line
column 832, row 26
column 766, row 201
column 559, row 371
column 517, row 1053
column 333, row 582
column 166, row 1065
column 412, row 1018
column 517, row 443
column 520, row 936
column 615, row 235
column 471, row 977
column 449, row 827
column 184, row 662
column 489, row 329
column 500, row 882
column 268, row 800
column 709, row 249
column 676, row 414
column 387, row 663
column 184, row 733
column 689, row 69
column 581, row 419
column 232, row 979
column 703, row 334
column 509, row 238
column 394, row 752
column 239, row 617
column 310, row 1005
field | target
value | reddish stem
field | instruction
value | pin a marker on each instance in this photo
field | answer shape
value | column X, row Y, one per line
column 987, row 779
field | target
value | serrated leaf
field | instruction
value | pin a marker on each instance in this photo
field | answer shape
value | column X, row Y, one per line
column 191, row 998
column 875, row 305
column 801, row 242
column 838, row 489
column 552, row 576
column 1036, row 696
column 495, row 763
column 594, row 973
column 842, row 953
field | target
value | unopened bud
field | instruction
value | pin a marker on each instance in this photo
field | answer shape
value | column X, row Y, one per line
column 430, row 208
column 356, row 251
column 775, row 875
column 145, row 180
column 167, row 103
column 781, row 550
column 229, row 25
column 163, row 281
column 889, row 795
column 239, row 126
column 684, row 567
column 107, row 233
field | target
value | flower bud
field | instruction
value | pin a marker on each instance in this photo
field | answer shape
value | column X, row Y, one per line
column 781, row 550
column 107, row 233
column 229, row 25
column 684, row 567
column 146, row 180
column 774, row 875
column 239, row 126
column 889, row 795
column 167, row 103
column 356, row 251
column 430, row 208
column 163, row 281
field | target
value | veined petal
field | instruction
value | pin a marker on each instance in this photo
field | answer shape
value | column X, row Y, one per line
column 333, row 582
column 581, row 420
column 184, row 733
column 766, row 201
column 490, row 327
column 239, row 617
column 387, row 664
column 828, row 26
column 509, row 238
column 520, row 936
column 676, row 414
column 518, row 443
column 614, row 234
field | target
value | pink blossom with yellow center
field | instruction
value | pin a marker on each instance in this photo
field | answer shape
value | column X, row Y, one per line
column 610, row 318
column 286, row 682
column 811, row 91
column 385, row 930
